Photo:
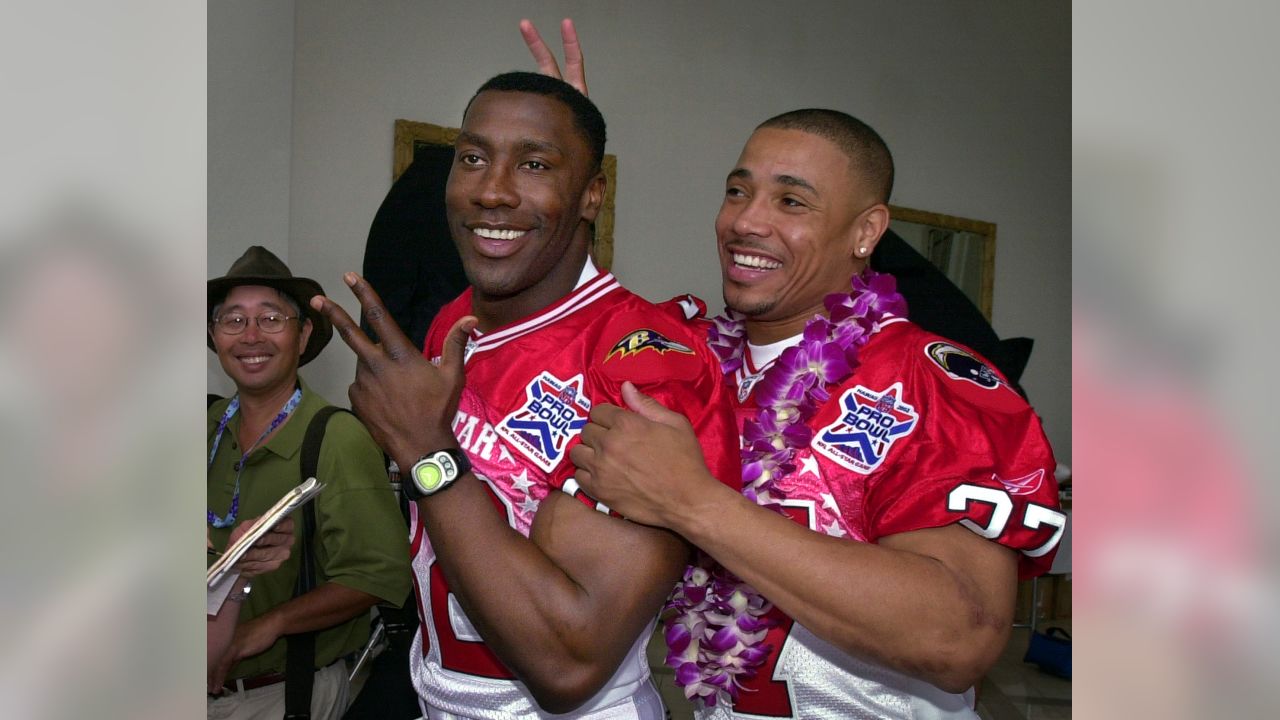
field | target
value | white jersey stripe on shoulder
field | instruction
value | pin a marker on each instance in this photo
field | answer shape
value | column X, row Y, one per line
column 571, row 301
column 593, row 290
column 565, row 310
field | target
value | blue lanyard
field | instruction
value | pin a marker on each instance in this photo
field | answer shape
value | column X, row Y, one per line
column 285, row 412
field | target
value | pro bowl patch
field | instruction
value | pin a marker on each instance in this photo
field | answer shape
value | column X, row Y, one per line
column 960, row 365
column 645, row 339
column 554, row 412
column 870, row 422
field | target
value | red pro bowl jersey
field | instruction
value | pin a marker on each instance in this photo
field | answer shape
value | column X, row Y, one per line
column 923, row 434
column 529, row 389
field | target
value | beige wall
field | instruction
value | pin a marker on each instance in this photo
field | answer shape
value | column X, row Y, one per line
column 250, row 130
column 974, row 100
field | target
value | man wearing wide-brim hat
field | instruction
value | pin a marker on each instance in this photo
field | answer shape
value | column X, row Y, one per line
column 262, row 329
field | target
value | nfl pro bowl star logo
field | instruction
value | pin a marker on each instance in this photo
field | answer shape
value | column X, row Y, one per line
column 554, row 412
column 870, row 422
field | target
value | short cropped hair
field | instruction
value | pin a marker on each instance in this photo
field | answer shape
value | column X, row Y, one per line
column 586, row 116
column 864, row 147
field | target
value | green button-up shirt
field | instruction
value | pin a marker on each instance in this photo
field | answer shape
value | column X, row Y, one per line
column 361, row 538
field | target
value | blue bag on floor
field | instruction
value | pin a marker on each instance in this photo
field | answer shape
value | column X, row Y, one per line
column 1051, row 650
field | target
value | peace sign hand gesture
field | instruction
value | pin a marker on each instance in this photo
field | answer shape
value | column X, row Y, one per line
column 405, row 401
column 575, row 66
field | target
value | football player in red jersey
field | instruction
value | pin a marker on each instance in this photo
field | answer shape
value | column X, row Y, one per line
column 895, row 486
column 534, row 600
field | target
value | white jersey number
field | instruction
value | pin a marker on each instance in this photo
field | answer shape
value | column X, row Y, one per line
column 1033, row 518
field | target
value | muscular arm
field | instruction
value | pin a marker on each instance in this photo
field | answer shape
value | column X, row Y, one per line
column 562, row 607
column 936, row 604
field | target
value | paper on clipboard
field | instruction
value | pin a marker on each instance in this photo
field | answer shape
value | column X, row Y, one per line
column 287, row 504
column 217, row 593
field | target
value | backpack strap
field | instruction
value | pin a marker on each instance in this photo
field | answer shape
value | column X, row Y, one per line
column 300, row 664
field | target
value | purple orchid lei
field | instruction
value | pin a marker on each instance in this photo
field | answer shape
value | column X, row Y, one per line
column 716, row 623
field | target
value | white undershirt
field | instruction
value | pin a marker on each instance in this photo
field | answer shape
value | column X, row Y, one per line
column 759, row 356
column 589, row 271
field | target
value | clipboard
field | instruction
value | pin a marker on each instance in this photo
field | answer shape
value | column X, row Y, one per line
column 291, row 501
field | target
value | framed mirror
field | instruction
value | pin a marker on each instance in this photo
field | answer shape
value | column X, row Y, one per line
column 412, row 136
column 963, row 249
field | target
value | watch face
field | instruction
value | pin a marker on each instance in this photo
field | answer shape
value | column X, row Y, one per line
column 436, row 471
column 429, row 475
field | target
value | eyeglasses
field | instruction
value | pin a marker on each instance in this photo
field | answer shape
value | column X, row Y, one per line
column 235, row 323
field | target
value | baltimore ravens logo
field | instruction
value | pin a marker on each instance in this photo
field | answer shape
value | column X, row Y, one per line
column 869, row 424
column 645, row 339
column 961, row 365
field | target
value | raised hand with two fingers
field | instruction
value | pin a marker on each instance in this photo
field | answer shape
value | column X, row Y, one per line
column 405, row 401
column 575, row 68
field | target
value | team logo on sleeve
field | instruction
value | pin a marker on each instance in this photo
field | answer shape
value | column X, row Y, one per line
column 644, row 339
column 870, row 423
column 554, row 413
column 1028, row 484
column 960, row 365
